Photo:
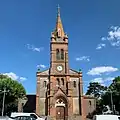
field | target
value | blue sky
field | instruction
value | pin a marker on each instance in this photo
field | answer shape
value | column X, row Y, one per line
column 93, row 28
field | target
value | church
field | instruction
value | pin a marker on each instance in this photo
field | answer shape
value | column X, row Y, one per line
column 59, row 91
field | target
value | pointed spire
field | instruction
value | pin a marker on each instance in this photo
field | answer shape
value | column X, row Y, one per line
column 59, row 32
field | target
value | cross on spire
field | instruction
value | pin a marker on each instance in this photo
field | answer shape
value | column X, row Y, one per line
column 58, row 10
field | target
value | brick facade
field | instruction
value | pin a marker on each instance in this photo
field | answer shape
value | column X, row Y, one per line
column 60, row 88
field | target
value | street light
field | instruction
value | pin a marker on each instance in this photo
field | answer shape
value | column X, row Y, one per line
column 4, row 92
column 111, row 97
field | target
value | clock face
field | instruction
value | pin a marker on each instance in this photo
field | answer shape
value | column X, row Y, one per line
column 59, row 68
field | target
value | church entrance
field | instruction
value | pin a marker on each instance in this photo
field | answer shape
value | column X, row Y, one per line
column 60, row 109
column 60, row 113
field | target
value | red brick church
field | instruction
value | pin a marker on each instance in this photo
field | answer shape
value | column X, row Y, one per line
column 60, row 89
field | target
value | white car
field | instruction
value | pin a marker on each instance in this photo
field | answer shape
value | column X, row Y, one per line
column 26, row 116
column 106, row 117
column 5, row 118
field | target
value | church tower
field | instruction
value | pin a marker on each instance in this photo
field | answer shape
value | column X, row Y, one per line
column 59, row 49
column 59, row 89
column 58, row 71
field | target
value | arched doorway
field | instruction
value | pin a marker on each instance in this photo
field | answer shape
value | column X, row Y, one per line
column 61, row 109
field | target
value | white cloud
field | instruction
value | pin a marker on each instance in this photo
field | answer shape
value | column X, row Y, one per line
column 33, row 48
column 102, row 69
column 109, row 79
column 99, row 80
column 103, row 38
column 113, row 36
column 23, row 79
column 14, row 76
column 100, row 46
column 83, row 58
column 41, row 66
column 103, row 81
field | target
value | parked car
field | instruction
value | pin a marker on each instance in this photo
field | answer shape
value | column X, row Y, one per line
column 5, row 118
column 26, row 116
column 106, row 117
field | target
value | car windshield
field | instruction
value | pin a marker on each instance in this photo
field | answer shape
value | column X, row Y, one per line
column 22, row 118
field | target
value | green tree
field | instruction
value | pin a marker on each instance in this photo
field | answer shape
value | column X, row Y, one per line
column 15, row 91
column 114, row 90
column 95, row 89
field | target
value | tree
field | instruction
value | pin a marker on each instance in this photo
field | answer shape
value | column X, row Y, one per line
column 107, row 96
column 114, row 92
column 95, row 89
column 16, row 90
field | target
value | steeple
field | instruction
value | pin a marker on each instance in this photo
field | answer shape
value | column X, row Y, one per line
column 59, row 31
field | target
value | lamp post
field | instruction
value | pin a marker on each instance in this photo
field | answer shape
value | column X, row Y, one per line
column 3, row 103
column 111, row 98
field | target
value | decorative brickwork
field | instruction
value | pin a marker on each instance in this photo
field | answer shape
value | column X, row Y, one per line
column 63, row 84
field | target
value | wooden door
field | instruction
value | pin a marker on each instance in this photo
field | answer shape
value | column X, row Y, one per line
column 60, row 113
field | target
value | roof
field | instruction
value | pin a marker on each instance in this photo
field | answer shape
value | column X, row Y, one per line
column 46, row 72
column 88, row 97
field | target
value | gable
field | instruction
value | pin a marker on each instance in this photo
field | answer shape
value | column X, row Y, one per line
column 88, row 97
column 73, row 72
column 45, row 72
column 60, row 93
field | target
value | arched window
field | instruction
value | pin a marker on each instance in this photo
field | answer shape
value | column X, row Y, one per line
column 62, row 80
column 62, row 54
column 59, row 101
column 59, row 32
column 57, row 54
column 45, row 84
column 58, row 82
column 90, row 103
column 66, row 87
column 74, row 83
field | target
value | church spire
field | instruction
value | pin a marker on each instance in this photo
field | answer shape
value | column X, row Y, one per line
column 59, row 31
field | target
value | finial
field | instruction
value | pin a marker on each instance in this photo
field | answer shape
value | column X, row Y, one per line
column 80, row 70
column 58, row 10
column 38, row 69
